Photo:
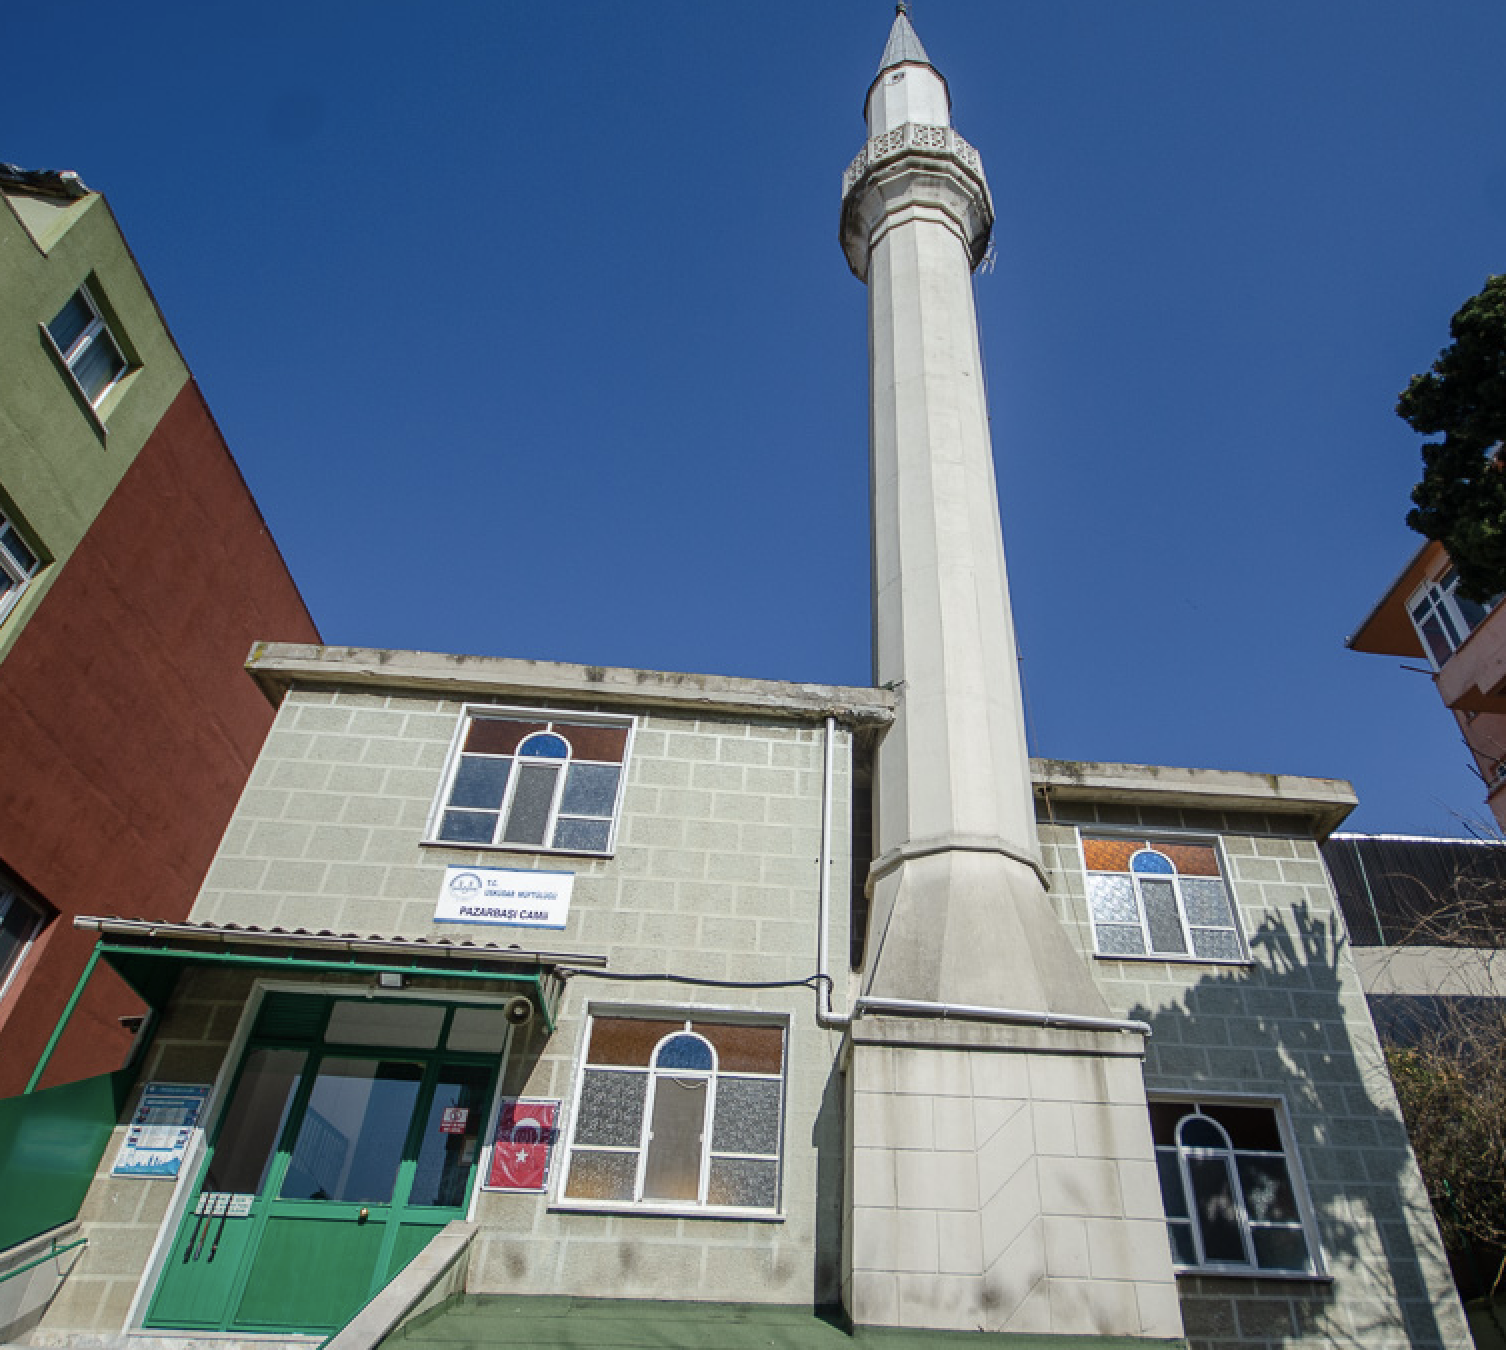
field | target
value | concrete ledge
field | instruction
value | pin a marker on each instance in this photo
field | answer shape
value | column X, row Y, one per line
column 1324, row 802
column 278, row 666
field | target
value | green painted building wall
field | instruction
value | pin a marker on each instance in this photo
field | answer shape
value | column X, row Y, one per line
column 60, row 459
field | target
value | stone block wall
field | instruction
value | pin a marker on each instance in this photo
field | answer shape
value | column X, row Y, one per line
column 715, row 877
column 1001, row 1181
column 715, row 865
column 1289, row 1024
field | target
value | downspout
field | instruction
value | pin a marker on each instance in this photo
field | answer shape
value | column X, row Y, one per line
column 825, row 1016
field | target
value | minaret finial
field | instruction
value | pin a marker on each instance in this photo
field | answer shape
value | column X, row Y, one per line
column 903, row 7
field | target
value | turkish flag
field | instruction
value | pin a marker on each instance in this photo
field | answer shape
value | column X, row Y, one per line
column 522, row 1146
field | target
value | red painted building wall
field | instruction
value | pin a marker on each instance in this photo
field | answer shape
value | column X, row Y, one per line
column 130, row 725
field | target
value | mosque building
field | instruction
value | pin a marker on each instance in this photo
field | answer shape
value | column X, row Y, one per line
column 548, row 1004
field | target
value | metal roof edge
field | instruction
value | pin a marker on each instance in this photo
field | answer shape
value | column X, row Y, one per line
column 1472, row 840
column 184, row 932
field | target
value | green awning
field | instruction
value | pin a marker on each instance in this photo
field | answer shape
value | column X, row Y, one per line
column 150, row 956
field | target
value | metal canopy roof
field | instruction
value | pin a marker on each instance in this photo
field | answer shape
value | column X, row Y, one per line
column 149, row 955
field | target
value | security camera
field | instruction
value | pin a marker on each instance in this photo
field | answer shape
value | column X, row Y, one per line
column 518, row 1011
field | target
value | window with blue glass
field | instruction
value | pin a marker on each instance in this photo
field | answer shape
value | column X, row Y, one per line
column 1444, row 618
column 1231, row 1191
column 677, row 1114
column 87, row 346
column 534, row 781
column 1157, row 897
column 18, row 564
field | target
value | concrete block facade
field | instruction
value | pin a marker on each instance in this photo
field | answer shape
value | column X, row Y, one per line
column 715, row 877
column 947, row 1174
column 715, row 865
column 1288, row 1026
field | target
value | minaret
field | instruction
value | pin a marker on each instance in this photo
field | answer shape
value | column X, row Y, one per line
column 963, row 1127
column 959, row 911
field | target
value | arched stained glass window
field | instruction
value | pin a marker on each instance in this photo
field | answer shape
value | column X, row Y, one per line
column 1160, row 898
column 678, row 1115
column 536, row 782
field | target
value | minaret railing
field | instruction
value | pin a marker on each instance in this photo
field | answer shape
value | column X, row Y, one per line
column 912, row 136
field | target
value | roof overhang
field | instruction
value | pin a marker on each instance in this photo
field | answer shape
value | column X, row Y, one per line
column 1387, row 629
column 149, row 956
column 278, row 666
column 1320, row 804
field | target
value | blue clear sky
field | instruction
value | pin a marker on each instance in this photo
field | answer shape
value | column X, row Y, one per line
column 528, row 326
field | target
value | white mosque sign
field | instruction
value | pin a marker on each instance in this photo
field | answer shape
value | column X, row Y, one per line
column 498, row 895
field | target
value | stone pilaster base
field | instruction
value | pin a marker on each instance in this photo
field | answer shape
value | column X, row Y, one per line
column 1001, row 1178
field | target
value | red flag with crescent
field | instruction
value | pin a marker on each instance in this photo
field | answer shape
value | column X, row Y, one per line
column 522, row 1145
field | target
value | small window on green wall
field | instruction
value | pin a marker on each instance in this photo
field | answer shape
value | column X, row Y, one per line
column 18, row 564
column 87, row 346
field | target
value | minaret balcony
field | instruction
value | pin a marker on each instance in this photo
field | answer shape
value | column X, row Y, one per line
column 914, row 168
column 913, row 136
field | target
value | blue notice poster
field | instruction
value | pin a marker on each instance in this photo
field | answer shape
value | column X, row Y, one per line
column 157, row 1140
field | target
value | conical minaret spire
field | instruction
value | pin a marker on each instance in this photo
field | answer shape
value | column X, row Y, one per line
column 904, row 42
column 979, row 1024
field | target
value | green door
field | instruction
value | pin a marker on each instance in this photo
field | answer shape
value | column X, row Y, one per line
column 333, row 1166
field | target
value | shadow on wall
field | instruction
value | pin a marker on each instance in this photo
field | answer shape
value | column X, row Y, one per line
column 827, row 1136
column 1282, row 1022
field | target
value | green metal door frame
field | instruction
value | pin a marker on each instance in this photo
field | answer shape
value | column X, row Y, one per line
column 269, row 1204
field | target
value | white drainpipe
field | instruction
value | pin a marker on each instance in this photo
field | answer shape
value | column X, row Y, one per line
column 827, row 1017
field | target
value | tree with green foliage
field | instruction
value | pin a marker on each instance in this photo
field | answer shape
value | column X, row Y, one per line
column 1461, row 500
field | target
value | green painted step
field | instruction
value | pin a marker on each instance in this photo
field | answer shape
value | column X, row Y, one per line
column 540, row 1323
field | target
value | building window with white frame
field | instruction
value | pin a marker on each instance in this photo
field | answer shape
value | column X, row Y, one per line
column 677, row 1114
column 20, row 921
column 1443, row 618
column 534, row 781
column 18, row 564
column 1229, row 1182
column 1162, row 898
column 87, row 346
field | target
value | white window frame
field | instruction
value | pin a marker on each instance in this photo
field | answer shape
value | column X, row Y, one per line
column 96, row 329
column 473, row 712
column 12, row 568
column 1305, row 1223
column 10, row 898
column 1153, row 837
column 638, row 1204
column 1438, row 597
